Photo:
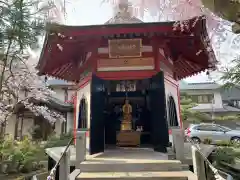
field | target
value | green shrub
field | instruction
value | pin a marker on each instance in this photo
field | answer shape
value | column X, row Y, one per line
column 226, row 155
column 36, row 132
column 207, row 141
column 20, row 156
column 57, row 141
column 229, row 118
column 228, row 144
column 224, row 143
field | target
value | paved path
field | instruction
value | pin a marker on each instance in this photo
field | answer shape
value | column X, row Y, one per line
column 126, row 153
column 130, row 154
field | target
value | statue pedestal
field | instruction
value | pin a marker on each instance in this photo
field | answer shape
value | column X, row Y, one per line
column 126, row 126
column 128, row 138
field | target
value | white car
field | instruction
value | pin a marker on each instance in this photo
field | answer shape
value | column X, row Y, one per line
column 199, row 132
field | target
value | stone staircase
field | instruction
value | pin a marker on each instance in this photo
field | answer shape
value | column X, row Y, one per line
column 112, row 168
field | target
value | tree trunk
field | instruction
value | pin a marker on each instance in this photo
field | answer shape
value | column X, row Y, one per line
column 21, row 130
column 16, row 127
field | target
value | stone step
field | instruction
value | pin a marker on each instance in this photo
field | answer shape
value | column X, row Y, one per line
column 130, row 166
column 185, row 167
column 171, row 154
column 166, row 175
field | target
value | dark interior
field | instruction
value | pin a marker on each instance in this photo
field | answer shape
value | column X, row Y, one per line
column 147, row 98
column 140, row 115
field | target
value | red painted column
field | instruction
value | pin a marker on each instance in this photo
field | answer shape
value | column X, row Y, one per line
column 75, row 118
column 179, row 106
column 94, row 57
column 155, row 47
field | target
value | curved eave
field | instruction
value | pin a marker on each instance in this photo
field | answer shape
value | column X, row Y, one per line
column 207, row 44
column 195, row 69
column 100, row 29
column 52, row 103
column 41, row 58
column 107, row 29
column 61, row 34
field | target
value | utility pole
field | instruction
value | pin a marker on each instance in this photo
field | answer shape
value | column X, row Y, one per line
column 213, row 116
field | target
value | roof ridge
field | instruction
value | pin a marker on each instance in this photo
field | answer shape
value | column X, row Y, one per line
column 202, row 83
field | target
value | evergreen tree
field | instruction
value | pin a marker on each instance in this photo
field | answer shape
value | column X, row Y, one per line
column 231, row 75
column 187, row 113
column 22, row 22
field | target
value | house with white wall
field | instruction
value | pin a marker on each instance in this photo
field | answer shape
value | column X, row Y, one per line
column 20, row 124
column 210, row 98
column 231, row 96
column 64, row 91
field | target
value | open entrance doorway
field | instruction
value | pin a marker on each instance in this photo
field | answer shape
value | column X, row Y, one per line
column 144, row 118
column 140, row 116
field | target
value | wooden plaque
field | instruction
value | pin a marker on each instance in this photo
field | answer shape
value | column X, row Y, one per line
column 125, row 62
column 119, row 48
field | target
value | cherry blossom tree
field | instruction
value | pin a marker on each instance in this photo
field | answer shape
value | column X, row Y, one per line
column 22, row 86
column 22, row 23
column 165, row 10
column 177, row 10
column 227, row 9
column 224, row 42
column 183, row 9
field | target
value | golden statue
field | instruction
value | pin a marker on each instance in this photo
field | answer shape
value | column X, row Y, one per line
column 126, row 124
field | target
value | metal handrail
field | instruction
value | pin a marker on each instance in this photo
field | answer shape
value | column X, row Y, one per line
column 214, row 169
column 53, row 170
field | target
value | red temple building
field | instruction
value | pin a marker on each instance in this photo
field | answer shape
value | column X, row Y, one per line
column 126, row 59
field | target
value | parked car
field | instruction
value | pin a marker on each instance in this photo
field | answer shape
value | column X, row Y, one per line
column 199, row 132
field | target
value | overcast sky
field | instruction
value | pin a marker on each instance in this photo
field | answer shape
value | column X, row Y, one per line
column 86, row 12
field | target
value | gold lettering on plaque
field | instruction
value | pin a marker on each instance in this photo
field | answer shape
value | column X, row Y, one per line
column 119, row 48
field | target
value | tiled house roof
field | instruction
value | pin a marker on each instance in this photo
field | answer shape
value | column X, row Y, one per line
column 55, row 102
column 198, row 86
column 207, row 108
column 58, row 82
column 227, row 94
column 230, row 94
column 62, row 106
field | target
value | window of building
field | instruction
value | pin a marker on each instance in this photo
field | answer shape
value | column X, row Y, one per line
column 10, row 98
column 237, row 104
column 201, row 99
column 65, row 95
column 64, row 125
column 25, row 93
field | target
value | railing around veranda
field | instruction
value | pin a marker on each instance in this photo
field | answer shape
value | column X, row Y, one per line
column 54, row 169
column 218, row 174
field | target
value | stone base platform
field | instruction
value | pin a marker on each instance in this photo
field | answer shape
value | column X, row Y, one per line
column 132, row 163
column 126, row 163
column 135, row 175
column 129, row 160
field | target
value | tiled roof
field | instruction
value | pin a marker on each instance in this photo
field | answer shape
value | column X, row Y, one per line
column 230, row 94
column 58, row 82
column 59, row 102
column 206, row 108
column 198, row 86
column 60, row 105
